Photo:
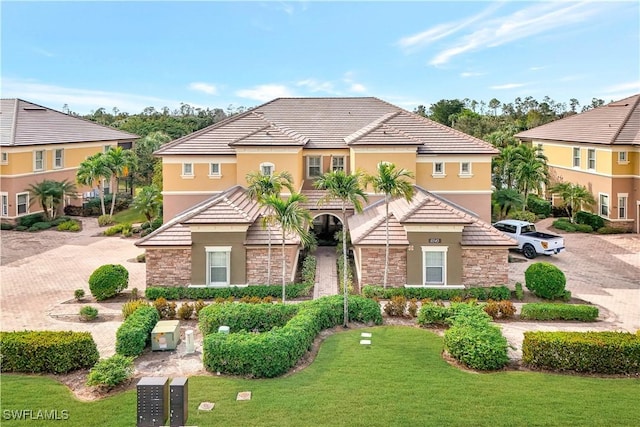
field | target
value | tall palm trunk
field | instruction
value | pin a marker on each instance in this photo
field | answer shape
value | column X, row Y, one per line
column 269, row 251
column 386, row 246
column 113, row 195
column 344, row 264
column 284, row 268
column 101, row 194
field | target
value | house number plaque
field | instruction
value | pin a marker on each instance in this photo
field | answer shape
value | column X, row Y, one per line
column 436, row 240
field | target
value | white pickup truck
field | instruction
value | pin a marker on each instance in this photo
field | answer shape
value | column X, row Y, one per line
column 530, row 242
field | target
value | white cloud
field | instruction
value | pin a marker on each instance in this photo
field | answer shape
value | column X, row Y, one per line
column 467, row 74
column 43, row 52
column 622, row 87
column 537, row 19
column 81, row 101
column 508, row 86
column 537, row 68
column 266, row 92
column 354, row 86
column 207, row 88
column 314, row 85
column 357, row 88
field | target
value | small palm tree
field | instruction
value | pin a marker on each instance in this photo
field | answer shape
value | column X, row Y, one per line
column 262, row 186
column 507, row 199
column 531, row 170
column 292, row 219
column 119, row 161
column 574, row 196
column 148, row 202
column 393, row 183
column 347, row 189
column 51, row 194
column 93, row 171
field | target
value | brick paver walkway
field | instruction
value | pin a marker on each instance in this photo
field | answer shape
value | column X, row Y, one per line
column 326, row 272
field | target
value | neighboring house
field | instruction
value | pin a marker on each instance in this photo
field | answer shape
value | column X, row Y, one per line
column 38, row 143
column 599, row 149
column 212, row 234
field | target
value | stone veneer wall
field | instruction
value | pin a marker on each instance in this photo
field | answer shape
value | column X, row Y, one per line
column 485, row 267
column 257, row 262
column 168, row 266
column 372, row 270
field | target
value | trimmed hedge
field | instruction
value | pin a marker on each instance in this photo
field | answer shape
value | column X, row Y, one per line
column 273, row 353
column 244, row 317
column 550, row 311
column 589, row 352
column 108, row 280
column 135, row 333
column 174, row 293
column 545, row 280
column 55, row 352
column 593, row 220
column 496, row 293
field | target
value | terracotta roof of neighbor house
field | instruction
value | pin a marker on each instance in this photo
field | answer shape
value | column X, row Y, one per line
column 24, row 123
column 328, row 123
column 258, row 235
column 424, row 208
column 615, row 123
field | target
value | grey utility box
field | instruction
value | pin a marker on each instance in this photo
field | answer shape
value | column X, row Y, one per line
column 165, row 335
column 153, row 397
column 178, row 402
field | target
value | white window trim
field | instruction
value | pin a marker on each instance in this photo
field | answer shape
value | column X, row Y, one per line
column 106, row 148
column 600, row 205
column 309, row 176
column 273, row 167
column 624, row 196
column 4, row 204
column 344, row 163
column 574, row 157
column 28, row 203
column 595, row 165
column 622, row 161
column 217, row 175
column 439, row 174
column 35, row 160
column 55, row 150
column 227, row 250
column 443, row 249
column 468, row 174
column 189, row 175
column 4, row 158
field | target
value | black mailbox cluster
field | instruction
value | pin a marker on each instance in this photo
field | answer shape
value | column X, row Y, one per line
column 157, row 399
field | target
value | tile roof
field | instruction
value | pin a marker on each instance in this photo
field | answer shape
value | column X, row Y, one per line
column 615, row 123
column 23, row 123
column 258, row 235
column 424, row 208
column 314, row 203
column 327, row 123
column 231, row 207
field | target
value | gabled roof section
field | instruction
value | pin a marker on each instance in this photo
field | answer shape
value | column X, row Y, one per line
column 614, row 124
column 427, row 209
column 258, row 235
column 23, row 123
column 326, row 123
column 368, row 227
column 231, row 207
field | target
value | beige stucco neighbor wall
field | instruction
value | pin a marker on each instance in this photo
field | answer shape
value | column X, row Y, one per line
column 372, row 271
column 257, row 263
column 485, row 266
column 168, row 266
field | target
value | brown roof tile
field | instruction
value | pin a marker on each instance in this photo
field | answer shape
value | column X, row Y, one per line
column 615, row 123
column 258, row 235
column 231, row 207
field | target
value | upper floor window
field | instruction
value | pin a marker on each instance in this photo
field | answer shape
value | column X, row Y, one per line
column 187, row 169
column 22, row 203
column 106, row 148
column 438, row 169
column 38, row 160
column 576, row 157
column 314, row 166
column 214, row 169
column 4, row 158
column 337, row 164
column 591, row 158
column 58, row 158
column 604, row 205
column 622, row 157
column 465, row 169
column 267, row 168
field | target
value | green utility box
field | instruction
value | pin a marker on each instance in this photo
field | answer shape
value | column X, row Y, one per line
column 166, row 335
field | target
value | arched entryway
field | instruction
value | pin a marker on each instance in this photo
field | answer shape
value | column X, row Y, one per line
column 325, row 227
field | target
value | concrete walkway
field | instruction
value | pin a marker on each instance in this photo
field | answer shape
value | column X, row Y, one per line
column 326, row 272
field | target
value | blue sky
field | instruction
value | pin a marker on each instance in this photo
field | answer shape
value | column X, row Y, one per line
column 132, row 55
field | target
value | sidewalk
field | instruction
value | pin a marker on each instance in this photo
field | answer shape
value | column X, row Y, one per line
column 326, row 272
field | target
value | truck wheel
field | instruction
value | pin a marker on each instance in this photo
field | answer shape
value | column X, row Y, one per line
column 529, row 251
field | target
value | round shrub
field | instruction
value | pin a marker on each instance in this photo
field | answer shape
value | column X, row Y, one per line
column 108, row 280
column 111, row 372
column 88, row 313
column 545, row 280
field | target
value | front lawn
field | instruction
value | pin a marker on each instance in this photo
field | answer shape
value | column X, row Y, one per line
column 400, row 380
column 129, row 215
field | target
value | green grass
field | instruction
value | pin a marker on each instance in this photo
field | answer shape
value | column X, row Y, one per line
column 400, row 380
column 129, row 216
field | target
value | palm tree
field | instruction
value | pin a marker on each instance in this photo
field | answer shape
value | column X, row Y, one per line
column 51, row 194
column 93, row 171
column 503, row 167
column 119, row 161
column 574, row 196
column 348, row 189
column 148, row 202
column 393, row 183
column 507, row 199
column 531, row 170
column 292, row 219
column 262, row 186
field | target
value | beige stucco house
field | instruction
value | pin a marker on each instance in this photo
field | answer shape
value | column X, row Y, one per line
column 212, row 234
column 38, row 143
column 599, row 149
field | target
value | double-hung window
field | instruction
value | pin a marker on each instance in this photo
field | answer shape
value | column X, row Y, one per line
column 58, row 158
column 214, row 170
column 187, row 170
column 591, row 158
column 438, row 169
column 267, row 169
column 465, row 169
column 22, row 203
column 38, row 160
column 4, row 158
column 4, row 204
column 604, row 205
column 622, row 206
column 576, row 157
column 314, row 167
column 218, row 265
column 434, row 261
column 622, row 157
column 337, row 164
